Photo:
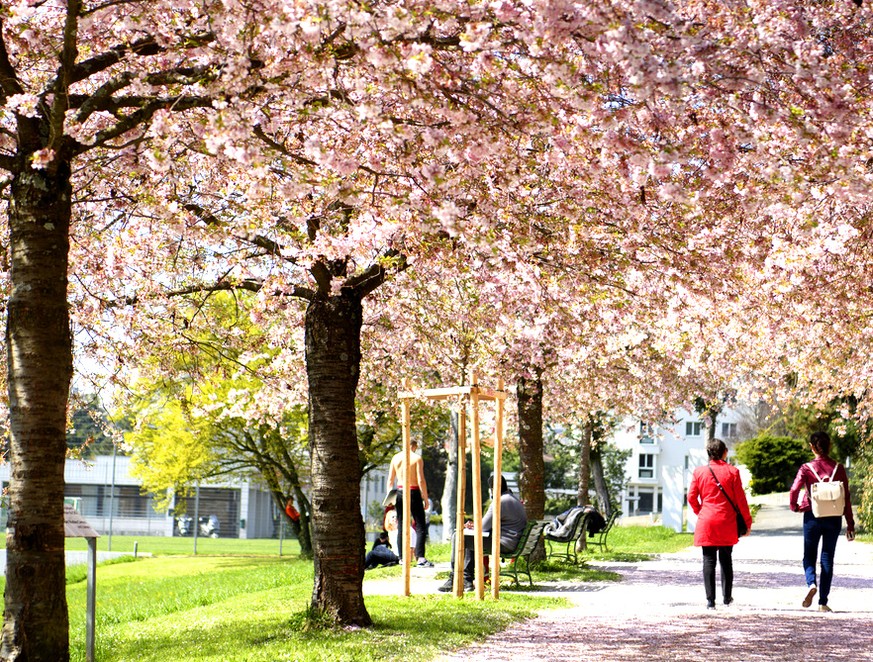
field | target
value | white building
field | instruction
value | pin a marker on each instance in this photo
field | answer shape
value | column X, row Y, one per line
column 663, row 458
column 111, row 500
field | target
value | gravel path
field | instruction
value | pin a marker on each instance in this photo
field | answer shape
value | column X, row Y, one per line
column 658, row 610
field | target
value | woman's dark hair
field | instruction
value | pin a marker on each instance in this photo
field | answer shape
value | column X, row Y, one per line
column 821, row 443
column 715, row 449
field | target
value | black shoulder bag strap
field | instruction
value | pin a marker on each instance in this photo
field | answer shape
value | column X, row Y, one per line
column 736, row 510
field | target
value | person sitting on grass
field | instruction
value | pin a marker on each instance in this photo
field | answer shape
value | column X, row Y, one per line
column 381, row 553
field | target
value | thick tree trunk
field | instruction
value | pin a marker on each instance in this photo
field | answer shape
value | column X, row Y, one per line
column 449, row 501
column 40, row 365
column 333, row 357
column 531, row 479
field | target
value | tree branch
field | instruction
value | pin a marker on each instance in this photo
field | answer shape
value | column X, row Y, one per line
column 141, row 47
column 375, row 275
column 143, row 115
column 259, row 132
column 9, row 83
column 247, row 284
column 102, row 98
column 271, row 246
column 61, row 85
column 322, row 276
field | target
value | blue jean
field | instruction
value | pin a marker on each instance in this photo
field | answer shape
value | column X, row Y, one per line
column 826, row 530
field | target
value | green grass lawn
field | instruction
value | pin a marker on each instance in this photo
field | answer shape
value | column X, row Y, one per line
column 255, row 608
column 239, row 600
column 637, row 543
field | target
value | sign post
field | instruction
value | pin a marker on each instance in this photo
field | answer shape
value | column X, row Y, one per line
column 75, row 526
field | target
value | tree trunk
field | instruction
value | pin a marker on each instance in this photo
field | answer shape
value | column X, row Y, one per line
column 333, row 358
column 584, row 464
column 300, row 527
column 303, row 527
column 713, row 417
column 449, row 502
column 584, row 474
column 600, row 485
column 40, row 368
column 531, row 478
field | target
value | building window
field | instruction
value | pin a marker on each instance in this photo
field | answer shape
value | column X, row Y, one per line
column 646, row 503
column 647, row 465
column 728, row 430
column 693, row 428
column 647, row 433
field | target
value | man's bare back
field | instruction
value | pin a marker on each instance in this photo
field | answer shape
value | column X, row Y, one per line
column 416, row 473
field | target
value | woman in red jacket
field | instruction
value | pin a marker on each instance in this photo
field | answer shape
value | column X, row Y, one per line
column 716, row 530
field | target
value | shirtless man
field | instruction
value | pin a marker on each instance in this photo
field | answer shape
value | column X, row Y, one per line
column 417, row 497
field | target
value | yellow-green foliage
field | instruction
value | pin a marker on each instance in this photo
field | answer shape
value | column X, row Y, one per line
column 168, row 452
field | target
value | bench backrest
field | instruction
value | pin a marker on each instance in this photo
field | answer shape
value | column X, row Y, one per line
column 579, row 523
column 530, row 537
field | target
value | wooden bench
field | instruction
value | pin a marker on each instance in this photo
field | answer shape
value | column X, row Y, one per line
column 599, row 538
column 569, row 540
column 528, row 541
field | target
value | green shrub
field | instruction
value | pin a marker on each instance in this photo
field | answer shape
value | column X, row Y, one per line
column 861, row 487
column 772, row 461
column 558, row 504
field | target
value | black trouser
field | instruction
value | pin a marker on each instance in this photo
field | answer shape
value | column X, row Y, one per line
column 469, row 553
column 417, row 512
column 727, row 572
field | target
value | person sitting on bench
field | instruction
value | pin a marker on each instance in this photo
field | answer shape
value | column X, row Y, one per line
column 513, row 520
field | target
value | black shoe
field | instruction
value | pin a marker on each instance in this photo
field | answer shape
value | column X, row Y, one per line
column 448, row 586
column 710, row 604
column 728, row 601
column 468, row 586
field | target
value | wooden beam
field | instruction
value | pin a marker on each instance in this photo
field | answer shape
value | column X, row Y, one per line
column 407, row 510
column 461, row 502
column 452, row 392
column 498, row 473
column 477, row 494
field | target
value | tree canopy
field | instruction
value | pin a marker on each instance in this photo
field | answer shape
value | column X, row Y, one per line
column 654, row 199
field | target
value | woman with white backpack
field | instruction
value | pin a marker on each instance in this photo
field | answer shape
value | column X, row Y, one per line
column 824, row 503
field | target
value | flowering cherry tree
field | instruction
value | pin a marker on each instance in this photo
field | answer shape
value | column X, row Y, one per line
column 715, row 154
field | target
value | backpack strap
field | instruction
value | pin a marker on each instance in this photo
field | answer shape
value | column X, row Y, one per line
column 820, row 479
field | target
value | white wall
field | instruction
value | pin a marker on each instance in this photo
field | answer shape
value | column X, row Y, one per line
column 674, row 450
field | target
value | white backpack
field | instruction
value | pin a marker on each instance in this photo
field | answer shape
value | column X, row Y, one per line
column 827, row 497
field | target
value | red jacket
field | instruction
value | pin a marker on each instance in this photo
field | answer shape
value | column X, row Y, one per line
column 716, row 518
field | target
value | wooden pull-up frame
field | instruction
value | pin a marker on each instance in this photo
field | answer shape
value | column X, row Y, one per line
column 472, row 394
